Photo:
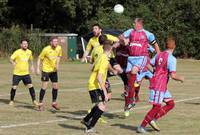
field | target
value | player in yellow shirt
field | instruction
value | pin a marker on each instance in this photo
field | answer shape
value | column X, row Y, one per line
column 20, row 60
column 114, row 67
column 94, row 41
column 97, row 89
column 49, row 58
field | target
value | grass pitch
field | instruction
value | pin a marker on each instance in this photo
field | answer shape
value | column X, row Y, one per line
column 24, row 119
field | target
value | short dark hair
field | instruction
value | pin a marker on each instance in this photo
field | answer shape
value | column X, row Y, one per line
column 107, row 45
column 24, row 39
column 53, row 37
column 96, row 24
column 170, row 42
column 102, row 39
column 140, row 20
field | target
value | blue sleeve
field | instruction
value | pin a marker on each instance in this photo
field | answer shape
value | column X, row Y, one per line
column 153, row 61
column 171, row 65
column 150, row 36
column 151, row 49
column 127, row 33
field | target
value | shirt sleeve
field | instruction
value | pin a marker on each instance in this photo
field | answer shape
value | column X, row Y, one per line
column 151, row 49
column 171, row 65
column 31, row 56
column 89, row 46
column 150, row 36
column 153, row 61
column 127, row 33
column 112, row 38
column 42, row 54
column 14, row 55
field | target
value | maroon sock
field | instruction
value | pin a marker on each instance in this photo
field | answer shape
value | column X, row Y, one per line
column 150, row 115
column 165, row 109
column 131, row 91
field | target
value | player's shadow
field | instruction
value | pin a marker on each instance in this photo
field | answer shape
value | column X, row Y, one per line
column 5, row 101
column 117, row 99
column 193, row 103
column 28, row 106
column 20, row 104
column 70, row 117
column 71, row 127
column 79, row 112
column 113, row 116
column 130, row 127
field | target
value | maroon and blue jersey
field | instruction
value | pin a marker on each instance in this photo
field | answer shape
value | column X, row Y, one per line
column 164, row 63
column 139, row 41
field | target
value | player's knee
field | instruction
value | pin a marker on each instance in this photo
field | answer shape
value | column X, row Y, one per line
column 135, row 70
column 171, row 104
column 29, row 85
column 55, row 85
column 118, row 68
column 14, row 87
column 157, row 106
column 102, row 107
column 44, row 85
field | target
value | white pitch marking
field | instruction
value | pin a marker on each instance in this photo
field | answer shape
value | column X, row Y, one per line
column 79, row 117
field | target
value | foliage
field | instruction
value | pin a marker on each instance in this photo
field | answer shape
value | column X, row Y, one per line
column 162, row 17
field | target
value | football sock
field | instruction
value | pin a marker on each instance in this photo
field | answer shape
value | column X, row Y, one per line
column 42, row 93
column 131, row 91
column 95, row 117
column 54, row 94
column 165, row 109
column 90, row 115
column 12, row 94
column 150, row 115
column 32, row 93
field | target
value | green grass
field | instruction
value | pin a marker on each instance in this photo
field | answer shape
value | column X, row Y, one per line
column 23, row 119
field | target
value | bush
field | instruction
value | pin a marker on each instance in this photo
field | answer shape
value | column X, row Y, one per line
column 10, row 40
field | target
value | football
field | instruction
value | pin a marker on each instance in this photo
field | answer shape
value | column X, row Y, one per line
column 118, row 8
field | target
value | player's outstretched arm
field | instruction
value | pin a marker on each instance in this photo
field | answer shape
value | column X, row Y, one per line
column 176, row 77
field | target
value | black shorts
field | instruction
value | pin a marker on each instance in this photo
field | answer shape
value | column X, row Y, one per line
column 53, row 76
column 97, row 96
column 113, row 62
column 25, row 78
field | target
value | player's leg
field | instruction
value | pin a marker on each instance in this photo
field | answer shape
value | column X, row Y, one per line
column 98, row 111
column 91, row 119
column 155, row 98
column 169, row 105
column 124, row 78
column 28, row 82
column 44, row 79
column 54, row 79
column 149, row 117
column 15, row 81
column 131, row 78
column 95, row 100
